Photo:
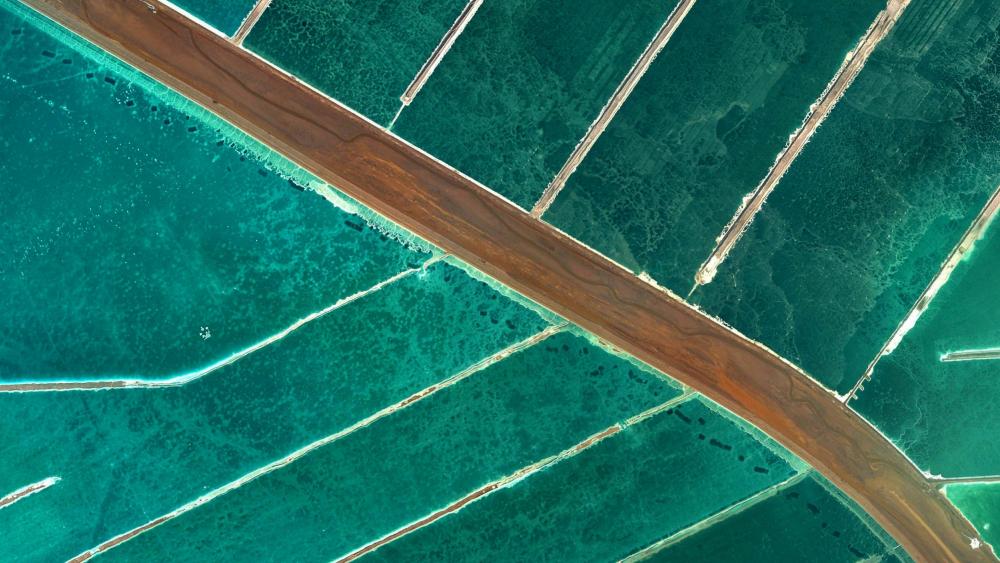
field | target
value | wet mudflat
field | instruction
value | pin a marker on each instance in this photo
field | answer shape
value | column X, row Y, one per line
column 702, row 129
column 873, row 205
column 523, row 83
column 944, row 414
column 364, row 53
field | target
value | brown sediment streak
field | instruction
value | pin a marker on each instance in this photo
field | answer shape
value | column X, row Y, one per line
column 490, row 234
column 967, row 242
column 440, row 51
column 714, row 519
column 614, row 104
column 185, row 378
column 29, row 490
column 251, row 20
column 303, row 451
column 845, row 75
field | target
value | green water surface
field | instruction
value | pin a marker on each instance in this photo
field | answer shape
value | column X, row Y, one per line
column 523, row 83
column 980, row 503
column 702, row 129
column 224, row 15
column 364, row 53
column 863, row 219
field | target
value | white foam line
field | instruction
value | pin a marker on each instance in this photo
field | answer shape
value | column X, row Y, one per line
column 183, row 379
column 723, row 514
column 614, row 103
column 27, row 491
column 305, row 450
column 964, row 246
column 509, row 480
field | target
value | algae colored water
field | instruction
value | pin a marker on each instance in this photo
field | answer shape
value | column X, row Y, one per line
column 863, row 219
column 127, row 456
column 619, row 495
column 807, row 520
column 530, row 406
column 702, row 129
column 224, row 15
column 523, row 83
column 980, row 503
column 944, row 414
column 168, row 244
column 364, row 53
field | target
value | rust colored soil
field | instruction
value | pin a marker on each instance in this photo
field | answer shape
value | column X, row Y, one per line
column 532, row 258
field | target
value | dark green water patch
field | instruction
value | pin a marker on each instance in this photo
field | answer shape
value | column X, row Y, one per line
column 527, row 407
column 702, row 129
column 523, row 83
column 944, row 414
column 364, row 53
column 652, row 479
column 127, row 456
column 873, row 205
column 224, row 15
column 144, row 237
column 980, row 503
column 807, row 521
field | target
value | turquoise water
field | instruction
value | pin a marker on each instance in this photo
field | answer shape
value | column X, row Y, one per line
column 980, row 503
column 126, row 456
column 361, row 52
column 944, row 414
column 702, row 129
column 224, row 15
column 400, row 469
column 806, row 521
column 876, row 201
column 168, row 244
column 607, row 501
column 521, row 86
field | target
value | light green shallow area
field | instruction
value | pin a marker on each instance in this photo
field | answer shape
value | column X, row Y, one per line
column 702, row 129
column 944, row 415
column 364, row 53
column 529, row 406
column 224, row 15
column 523, row 83
column 170, row 242
column 127, row 456
column 806, row 521
column 627, row 491
column 980, row 503
column 863, row 219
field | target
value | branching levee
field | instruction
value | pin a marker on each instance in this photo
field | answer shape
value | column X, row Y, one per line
column 818, row 112
column 309, row 448
column 614, row 104
column 251, row 20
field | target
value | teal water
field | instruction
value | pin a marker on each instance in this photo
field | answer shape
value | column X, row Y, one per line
column 980, row 503
column 807, row 521
column 416, row 461
column 626, row 492
column 944, row 414
column 876, row 201
column 523, row 83
column 224, row 15
column 169, row 243
column 702, row 129
column 364, row 53
column 127, row 456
